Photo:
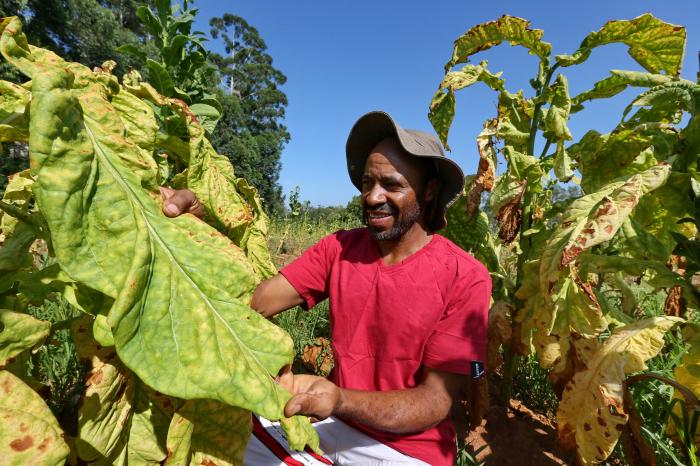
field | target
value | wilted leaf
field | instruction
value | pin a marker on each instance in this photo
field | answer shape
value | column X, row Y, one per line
column 595, row 218
column 515, row 114
column 483, row 181
column 18, row 193
column 557, row 116
column 591, row 415
column 654, row 44
column 14, row 122
column 618, row 81
column 563, row 164
column 19, row 332
column 30, row 434
column 507, row 28
column 442, row 106
column 205, row 432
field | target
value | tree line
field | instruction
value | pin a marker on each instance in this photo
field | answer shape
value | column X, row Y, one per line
column 250, row 131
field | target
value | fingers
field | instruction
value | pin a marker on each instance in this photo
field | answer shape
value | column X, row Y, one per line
column 307, row 405
column 179, row 201
column 286, row 378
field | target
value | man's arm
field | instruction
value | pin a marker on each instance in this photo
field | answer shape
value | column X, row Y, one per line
column 275, row 295
column 398, row 411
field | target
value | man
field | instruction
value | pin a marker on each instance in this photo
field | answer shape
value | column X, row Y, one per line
column 408, row 307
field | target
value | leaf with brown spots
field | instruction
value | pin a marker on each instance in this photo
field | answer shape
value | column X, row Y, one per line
column 591, row 414
column 593, row 219
column 18, row 333
column 29, row 433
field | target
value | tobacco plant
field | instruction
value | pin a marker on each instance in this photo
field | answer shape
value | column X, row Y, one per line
column 555, row 264
column 178, row 358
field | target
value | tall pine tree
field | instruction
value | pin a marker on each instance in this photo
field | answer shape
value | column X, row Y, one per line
column 250, row 132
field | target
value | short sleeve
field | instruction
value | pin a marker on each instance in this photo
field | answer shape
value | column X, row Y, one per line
column 460, row 335
column 309, row 274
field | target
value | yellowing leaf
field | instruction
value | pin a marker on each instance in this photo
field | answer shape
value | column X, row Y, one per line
column 14, row 122
column 507, row 28
column 591, row 415
column 442, row 106
column 618, row 81
column 595, row 218
column 183, row 333
column 19, row 332
column 654, row 44
column 29, row 433
column 555, row 120
column 208, row 432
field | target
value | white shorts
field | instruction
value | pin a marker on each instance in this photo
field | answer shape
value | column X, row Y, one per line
column 343, row 446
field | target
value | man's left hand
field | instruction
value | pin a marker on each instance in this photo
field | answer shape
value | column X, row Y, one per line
column 313, row 396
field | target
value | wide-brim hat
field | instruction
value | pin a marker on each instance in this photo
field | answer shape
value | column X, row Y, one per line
column 373, row 127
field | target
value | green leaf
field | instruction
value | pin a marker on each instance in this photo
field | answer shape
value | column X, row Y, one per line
column 624, row 152
column 14, row 123
column 471, row 235
column 676, row 95
column 207, row 115
column 131, row 49
column 14, row 254
column 442, row 106
column 255, row 242
column 30, row 434
column 18, row 333
column 160, row 78
column 591, row 414
column 616, row 83
column 507, row 28
column 18, row 193
column 152, row 23
column 557, row 116
column 654, row 44
column 208, row 432
column 515, row 114
column 562, row 164
column 441, row 114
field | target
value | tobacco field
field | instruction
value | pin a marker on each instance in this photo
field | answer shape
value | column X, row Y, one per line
column 177, row 358
column 572, row 277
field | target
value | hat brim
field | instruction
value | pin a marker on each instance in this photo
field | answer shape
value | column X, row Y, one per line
column 373, row 127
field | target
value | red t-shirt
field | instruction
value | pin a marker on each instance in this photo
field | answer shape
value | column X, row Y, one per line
column 389, row 320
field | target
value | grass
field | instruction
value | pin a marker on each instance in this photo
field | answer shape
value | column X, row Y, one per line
column 56, row 366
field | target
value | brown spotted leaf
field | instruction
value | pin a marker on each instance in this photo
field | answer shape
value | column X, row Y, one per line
column 29, row 433
column 512, row 29
column 591, row 415
column 595, row 218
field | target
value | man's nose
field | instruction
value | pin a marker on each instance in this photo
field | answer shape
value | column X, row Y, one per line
column 375, row 196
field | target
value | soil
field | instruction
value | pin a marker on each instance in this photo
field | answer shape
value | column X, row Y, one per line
column 518, row 437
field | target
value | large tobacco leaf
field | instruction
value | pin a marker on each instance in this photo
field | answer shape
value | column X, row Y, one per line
column 654, row 44
column 591, row 414
column 180, row 319
column 29, row 434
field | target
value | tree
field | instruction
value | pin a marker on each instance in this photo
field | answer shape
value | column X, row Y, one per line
column 250, row 132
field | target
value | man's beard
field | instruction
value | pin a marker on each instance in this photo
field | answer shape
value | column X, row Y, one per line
column 401, row 225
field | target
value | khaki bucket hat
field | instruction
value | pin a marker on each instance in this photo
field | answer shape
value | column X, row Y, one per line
column 375, row 126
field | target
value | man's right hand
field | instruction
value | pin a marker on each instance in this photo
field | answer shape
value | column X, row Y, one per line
column 180, row 201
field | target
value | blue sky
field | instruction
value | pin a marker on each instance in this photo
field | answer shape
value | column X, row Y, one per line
column 344, row 58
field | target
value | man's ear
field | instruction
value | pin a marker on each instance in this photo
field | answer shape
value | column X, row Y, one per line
column 432, row 188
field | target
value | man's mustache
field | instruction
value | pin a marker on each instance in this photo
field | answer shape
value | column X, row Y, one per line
column 382, row 209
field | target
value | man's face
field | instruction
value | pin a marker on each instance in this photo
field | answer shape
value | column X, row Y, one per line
column 392, row 191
